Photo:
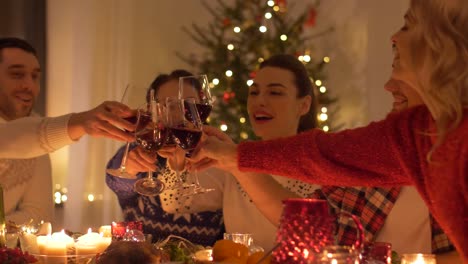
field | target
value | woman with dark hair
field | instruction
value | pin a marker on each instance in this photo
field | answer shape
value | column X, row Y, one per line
column 201, row 228
column 280, row 103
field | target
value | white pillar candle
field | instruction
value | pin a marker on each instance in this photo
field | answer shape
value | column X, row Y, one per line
column 104, row 242
column 55, row 244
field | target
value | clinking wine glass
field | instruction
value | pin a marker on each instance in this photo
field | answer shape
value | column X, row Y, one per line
column 173, row 105
column 121, row 172
column 150, row 135
column 198, row 87
column 187, row 132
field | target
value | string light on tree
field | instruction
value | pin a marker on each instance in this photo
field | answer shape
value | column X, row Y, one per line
column 256, row 30
column 242, row 120
column 323, row 89
column 323, row 117
column 325, row 128
column 223, row 127
column 91, row 197
column 244, row 135
column 318, row 82
column 324, row 109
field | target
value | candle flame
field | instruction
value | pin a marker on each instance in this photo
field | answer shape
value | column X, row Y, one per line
column 90, row 230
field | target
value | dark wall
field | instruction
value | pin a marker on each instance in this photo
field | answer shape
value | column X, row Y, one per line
column 27, row 19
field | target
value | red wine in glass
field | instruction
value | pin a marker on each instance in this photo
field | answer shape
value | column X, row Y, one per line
column 170, row 140
column 203, row 110
column 186, row 138
column 151, row 140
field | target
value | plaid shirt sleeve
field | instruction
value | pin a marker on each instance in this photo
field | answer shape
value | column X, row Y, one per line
column 370, row 205
column 440, row 241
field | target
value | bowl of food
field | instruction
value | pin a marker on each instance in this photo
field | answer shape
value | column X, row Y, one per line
column 228, row 251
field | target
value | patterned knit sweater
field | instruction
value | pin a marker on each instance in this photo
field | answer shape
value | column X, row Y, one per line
column 202, row 228
column 391, row 152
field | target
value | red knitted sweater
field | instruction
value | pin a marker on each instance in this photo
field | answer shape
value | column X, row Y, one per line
column 391, row 152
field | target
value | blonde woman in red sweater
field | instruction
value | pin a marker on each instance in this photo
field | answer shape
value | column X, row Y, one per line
column 425, row 146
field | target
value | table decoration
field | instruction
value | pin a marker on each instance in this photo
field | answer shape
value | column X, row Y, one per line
column 118, row 229
column 15, row 256
column 306, row 227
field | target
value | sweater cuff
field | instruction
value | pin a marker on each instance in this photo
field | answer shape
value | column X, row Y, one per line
column 55, row 132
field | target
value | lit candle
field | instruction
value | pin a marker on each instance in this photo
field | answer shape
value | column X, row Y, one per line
column 55, row 244
column 106, row 231
column 87, row 243
column 418, row 259
column 104, row 242
column 91, row 243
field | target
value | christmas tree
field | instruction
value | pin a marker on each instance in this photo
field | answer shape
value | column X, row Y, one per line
column 238, row 39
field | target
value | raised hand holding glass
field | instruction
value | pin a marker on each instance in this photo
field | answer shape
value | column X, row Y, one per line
column 150, row 135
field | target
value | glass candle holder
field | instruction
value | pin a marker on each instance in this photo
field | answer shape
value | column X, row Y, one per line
column 418, row 259
column 335, row 255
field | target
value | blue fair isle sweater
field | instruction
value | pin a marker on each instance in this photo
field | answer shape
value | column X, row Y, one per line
column 202, row 228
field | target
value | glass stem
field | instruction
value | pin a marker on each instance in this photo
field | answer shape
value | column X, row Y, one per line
column 123, row 164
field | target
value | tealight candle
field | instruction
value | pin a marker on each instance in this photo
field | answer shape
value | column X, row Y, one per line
column 105, row 230
column 91, row 243
column 418, row 259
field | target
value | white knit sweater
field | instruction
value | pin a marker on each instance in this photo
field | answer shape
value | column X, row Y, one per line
column 27, row 183
column 33, row 136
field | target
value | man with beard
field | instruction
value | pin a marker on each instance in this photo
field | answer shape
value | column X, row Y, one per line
column 25, row 175
column 27, row 183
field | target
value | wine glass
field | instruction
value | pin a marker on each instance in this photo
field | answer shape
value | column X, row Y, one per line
column 121, row 172
column 186, row 128
column 150, row 134
column 198, row 87
column 173, row 105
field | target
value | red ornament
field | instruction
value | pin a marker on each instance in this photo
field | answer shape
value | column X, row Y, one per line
column 252, row 74
column 281, row 3
column 226, row 97
column 311, row 18
column 226, row 22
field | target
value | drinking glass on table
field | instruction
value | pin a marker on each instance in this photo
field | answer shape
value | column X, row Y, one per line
column 150, row 134
column 186, row 128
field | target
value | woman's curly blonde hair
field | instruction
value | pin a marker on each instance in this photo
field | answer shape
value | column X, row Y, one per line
column 440, row 52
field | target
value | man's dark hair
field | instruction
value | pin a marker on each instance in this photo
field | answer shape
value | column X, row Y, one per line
column 16, row 43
